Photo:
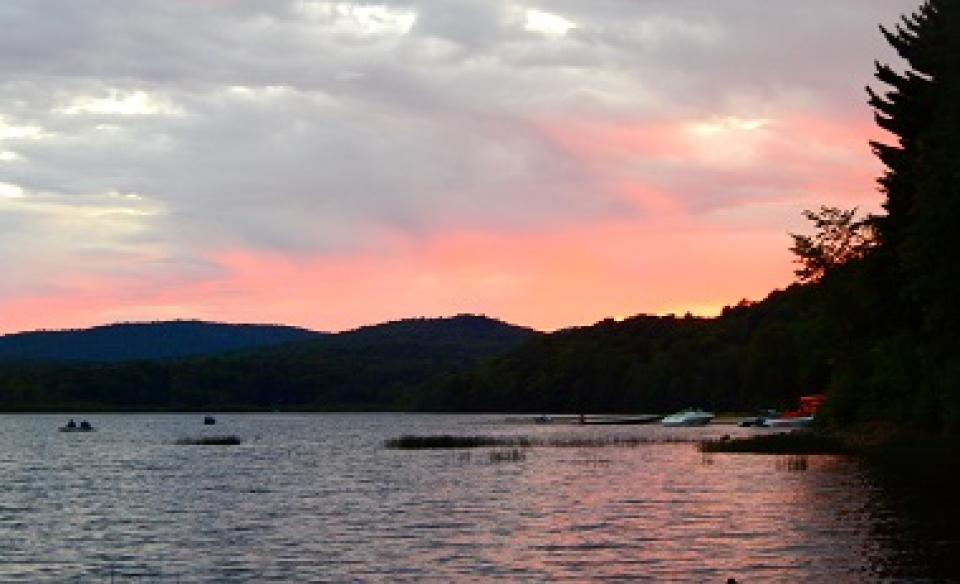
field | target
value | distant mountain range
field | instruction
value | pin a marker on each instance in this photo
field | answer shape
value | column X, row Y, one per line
column 190, row 365
column 754, row 354
column 145, row 340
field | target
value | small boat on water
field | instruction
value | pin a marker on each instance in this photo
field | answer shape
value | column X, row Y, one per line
column 691, row 417
column 72, row 426
column 209, row 420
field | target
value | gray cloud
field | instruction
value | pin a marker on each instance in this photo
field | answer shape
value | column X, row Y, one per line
column 308, row 125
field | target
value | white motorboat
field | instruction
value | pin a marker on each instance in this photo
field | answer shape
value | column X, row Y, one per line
column 691, row 417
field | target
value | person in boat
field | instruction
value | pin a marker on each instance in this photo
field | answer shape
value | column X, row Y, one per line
column 85, row 425
column 71, row 424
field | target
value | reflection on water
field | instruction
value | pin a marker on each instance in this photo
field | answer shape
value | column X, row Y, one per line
column 317, row 498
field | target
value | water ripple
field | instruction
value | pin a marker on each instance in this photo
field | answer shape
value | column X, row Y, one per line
column 310, row 498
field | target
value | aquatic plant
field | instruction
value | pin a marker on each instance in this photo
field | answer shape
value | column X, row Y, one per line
column 605, row 441
column 780, row 443
column 508, row 455
column 210, row 441
column 793, row 462
column 414, row 442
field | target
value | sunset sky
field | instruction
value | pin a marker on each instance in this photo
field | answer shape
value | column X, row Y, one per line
column 330, row 164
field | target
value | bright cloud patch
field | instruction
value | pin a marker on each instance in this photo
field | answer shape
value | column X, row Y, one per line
column 134, row 103
column 727, row 125
column 10, row 131
column 58, row 237
column 357, row 18
column 102, row 206
column 730, row 142
column 10, row 191
column 547, row 23
column 264, row 92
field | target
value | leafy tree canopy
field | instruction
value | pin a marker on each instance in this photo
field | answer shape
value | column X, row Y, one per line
column 840, row 238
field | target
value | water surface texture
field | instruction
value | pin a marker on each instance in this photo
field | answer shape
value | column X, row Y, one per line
column 315, row 498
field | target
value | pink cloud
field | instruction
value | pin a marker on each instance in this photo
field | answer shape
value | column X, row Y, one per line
column 711, row 230
column 547, row 280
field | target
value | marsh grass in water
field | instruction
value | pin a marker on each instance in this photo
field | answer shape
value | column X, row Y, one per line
column 606, row 441
column 782, row 443
column 793, row 462
column 508, row 455
column 592, row 461
column 210, row 441
column 412, row 442
column 465, row 456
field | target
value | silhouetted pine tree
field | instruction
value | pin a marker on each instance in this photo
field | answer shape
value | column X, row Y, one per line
column 930, row 248
column 904, row 110
column 918, row 272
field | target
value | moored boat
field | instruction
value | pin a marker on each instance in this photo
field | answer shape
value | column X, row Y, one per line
column 789, row 422
column 757, row 420
column 799, row 418
column 691, row 417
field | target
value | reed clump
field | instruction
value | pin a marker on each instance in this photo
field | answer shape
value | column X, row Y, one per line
column 609, row 441
column 210, row 441
column 508, row 455
column 781, row 443
column 413, row 442
column 793, row 462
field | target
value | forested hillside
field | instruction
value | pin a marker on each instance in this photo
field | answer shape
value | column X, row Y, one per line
column 763, row 354
column 144, row 340
column 369, row 368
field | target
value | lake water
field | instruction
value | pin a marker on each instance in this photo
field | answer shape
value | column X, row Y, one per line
column 317, row 498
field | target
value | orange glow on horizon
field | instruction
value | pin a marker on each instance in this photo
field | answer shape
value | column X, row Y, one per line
column 548, row 281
